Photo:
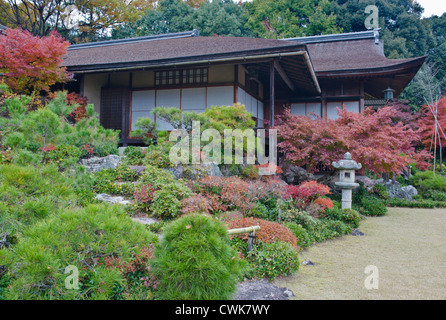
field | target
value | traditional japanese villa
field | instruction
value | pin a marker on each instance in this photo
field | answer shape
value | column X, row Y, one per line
column 125, row 79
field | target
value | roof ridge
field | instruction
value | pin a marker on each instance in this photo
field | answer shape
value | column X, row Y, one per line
column 369, row 34
column 175, row 35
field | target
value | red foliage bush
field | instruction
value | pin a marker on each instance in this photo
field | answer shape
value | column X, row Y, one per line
column 269, row 231
column 145, row 194
column 76, row 99
column 197, row 203
column 371, row 137
column 234, row 193
column 307, row 191
column 324, row 202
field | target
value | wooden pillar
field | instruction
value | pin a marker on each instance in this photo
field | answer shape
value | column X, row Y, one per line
column 271, row 92
column 362, row 96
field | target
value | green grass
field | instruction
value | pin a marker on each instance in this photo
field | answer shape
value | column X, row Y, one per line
column 407, row 246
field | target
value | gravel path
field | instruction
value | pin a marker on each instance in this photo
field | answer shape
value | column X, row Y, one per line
column 406, row 249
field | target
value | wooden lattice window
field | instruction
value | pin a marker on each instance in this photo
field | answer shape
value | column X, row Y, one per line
column 170, row 77
column 195, row 76
column 177, row 77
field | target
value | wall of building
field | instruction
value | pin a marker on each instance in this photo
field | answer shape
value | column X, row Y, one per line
column 221, row 89
column 92, row 85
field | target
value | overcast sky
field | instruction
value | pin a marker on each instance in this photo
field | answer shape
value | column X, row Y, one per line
column 431, row 7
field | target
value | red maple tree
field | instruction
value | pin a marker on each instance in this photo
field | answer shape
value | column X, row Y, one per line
column 29, row 63
column 371, row 137
column 427, row 124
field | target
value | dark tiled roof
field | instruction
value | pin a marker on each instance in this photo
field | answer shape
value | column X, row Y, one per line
column 349, row 51
column 350, row 55
column 171, row 49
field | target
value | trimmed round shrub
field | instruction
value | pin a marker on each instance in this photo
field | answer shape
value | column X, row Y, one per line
column 195, row 261
column 270, row 260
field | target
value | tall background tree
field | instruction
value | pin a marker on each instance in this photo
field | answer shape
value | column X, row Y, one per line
column 219, row 17
column 77, row 20
column 291, row 18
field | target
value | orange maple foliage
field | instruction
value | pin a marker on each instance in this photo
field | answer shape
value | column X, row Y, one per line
column 324, row 202
column 269, row 231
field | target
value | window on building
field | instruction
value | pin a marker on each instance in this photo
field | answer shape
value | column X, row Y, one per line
column 177, row 77
column 195, row 76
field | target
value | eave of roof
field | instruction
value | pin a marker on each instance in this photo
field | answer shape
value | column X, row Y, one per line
column 370, row 34
column 193, row 33
column 394, row 66
column 162, row 51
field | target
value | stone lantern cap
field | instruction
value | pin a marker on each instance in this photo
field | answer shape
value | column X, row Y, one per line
column 347, row 163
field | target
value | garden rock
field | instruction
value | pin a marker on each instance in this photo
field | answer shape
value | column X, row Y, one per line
column 196, row 171
column 409, row 191
column 95, row 164
column 368, row 183
column 232, row 170
column 356, row 232
column 396, row 191
column 5, row 240
column 330, row 180
column 138, row 169
column 308, row 263
column 296, row 175
column 144, row 220
column 261, row 290
column 110, row 199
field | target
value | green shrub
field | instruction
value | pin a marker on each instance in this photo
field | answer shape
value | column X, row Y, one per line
column 116, row 181
column 158, row 155
column 322, row 230
column 304, row 237
column 195, row 261
column 395, row 202
column 166, row 203
column 434, row 195
column 348, row 216
column 64, row 155
column 157, row 227
column 86, row 238
column 270, row 260
column 371, row 206
column 156, row 177
column 380, row 191
column 25, row 157
column 338, row 227
column 134, row 155
column 427, row 180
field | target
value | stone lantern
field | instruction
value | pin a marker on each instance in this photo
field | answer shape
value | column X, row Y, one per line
column 347, row 183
